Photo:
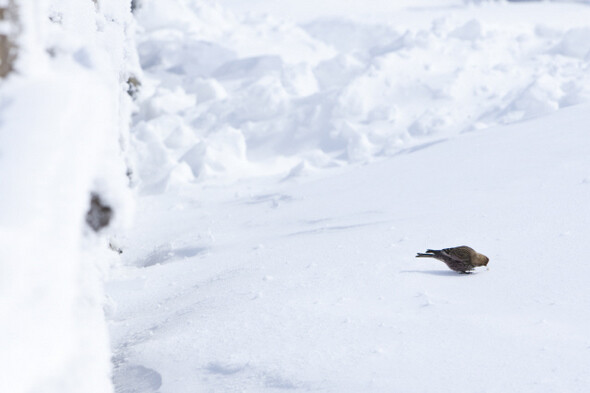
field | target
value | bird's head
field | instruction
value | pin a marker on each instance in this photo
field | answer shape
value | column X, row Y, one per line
column 482, row 260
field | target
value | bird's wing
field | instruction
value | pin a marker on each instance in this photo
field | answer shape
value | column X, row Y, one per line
column 461, row 254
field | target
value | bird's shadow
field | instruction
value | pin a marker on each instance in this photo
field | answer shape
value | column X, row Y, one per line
column 436, row 272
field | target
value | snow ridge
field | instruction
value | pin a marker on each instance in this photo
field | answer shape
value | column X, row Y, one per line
column 233, row 95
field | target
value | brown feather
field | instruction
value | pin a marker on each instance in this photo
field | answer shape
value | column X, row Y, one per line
column 461, row 259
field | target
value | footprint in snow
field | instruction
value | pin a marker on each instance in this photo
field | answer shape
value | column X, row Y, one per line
column 225, row 369
column 136, row 379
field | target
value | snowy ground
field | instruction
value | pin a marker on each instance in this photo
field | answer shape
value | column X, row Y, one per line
column 314, row 286
column 282, row 198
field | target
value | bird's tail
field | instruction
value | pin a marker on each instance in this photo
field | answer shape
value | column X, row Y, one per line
column 421, row 255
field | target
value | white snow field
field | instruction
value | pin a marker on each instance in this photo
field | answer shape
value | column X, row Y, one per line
column 313, row 285
column 288, row 167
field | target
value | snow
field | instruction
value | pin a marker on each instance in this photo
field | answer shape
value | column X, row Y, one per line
column 285, row 161
column 334, row 90
column 291, row 158
column 313, row 285
column 61, row 117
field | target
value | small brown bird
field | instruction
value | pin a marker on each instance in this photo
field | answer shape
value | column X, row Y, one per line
column 461, row 259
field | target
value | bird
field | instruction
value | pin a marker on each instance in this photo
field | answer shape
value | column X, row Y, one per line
column 461, row 259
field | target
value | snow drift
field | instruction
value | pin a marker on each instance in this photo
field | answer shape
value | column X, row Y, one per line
column 329, row 91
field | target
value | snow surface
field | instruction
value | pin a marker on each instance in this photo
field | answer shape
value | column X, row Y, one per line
column 230, row 95
column 313, row 286
column 289, row 165
column 287, row 160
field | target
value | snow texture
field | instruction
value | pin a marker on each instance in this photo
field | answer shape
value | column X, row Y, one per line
column 63, row 114
column 286, row 160
column 230, row 95
column 313, row 285
column 292, row 157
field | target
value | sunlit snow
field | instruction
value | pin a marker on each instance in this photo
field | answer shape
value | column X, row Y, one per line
column 228, row 196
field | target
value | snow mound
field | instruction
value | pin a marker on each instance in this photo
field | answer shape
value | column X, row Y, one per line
column 575, row 43
column 354, row 90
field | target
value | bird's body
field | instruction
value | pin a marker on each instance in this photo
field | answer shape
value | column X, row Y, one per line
column 461, row 259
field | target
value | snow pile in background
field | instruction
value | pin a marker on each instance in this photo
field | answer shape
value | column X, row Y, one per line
column 62, row 119
column 230, row 95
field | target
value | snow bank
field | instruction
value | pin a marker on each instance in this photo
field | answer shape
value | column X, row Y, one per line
column 335, row 90
column 63, row 120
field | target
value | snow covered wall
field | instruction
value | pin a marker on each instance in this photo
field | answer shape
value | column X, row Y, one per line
column 64, row 114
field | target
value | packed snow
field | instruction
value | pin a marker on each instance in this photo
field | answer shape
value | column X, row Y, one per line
column 268, row 171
